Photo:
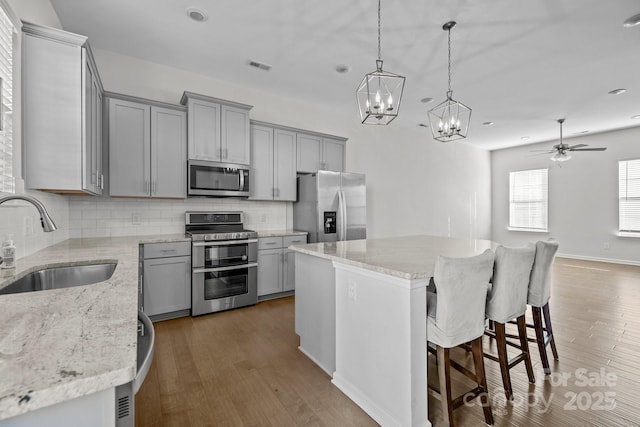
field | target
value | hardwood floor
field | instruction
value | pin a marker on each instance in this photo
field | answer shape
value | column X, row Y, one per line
column 242, row 367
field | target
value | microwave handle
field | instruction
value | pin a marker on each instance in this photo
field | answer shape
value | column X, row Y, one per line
column 241, row 180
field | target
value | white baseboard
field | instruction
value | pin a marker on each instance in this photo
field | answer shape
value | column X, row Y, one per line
column 316, row 361
column 609, row 260
column 380, row 416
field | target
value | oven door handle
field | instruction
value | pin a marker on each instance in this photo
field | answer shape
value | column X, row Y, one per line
column 224, row 242
column 233, row 267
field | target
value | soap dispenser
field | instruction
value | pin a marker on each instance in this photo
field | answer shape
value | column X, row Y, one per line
column 8, row 253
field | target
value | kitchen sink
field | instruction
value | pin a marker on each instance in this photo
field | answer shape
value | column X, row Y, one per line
column 61, row 277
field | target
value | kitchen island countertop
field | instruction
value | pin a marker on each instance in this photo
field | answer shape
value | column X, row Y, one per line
column 406, row 257
column 60, row 344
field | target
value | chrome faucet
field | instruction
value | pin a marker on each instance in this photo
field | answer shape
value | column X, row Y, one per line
column 45, row 219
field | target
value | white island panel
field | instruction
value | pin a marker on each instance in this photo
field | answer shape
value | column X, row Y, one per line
column 381, row 344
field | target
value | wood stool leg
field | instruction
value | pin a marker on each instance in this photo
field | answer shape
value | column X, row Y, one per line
column 444, row 373
column 524, row 344
column 478, row 360
column 503, row 358
column 539, row 329
column 547, row 323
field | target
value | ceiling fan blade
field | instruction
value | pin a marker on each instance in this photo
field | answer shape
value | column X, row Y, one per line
column 577, row 146
column 588, row 149
column 541, row 151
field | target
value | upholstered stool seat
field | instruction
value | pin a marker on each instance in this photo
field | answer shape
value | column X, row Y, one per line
column 455, row 316
column 506, row 301
column 538, row 298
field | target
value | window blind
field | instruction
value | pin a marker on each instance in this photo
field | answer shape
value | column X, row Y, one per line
column 629, row 195
column 528, row 199
column 7, row 31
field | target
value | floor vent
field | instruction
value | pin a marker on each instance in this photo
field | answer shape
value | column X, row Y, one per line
column 123, row 407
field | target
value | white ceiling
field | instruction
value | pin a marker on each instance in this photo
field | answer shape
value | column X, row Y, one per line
column 520, row 64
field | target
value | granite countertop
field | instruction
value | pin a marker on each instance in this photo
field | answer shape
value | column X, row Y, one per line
column 276, row 233
column 60, row 344
column 407, row 257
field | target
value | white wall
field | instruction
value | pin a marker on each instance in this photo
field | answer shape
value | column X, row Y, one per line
column 583, row 196
column 414, row 184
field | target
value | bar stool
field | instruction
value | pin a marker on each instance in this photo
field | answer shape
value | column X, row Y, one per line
column 455, row 315
column 507, row 300
column 538, row 298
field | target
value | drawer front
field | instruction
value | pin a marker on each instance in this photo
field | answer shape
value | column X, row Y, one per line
column 295, row 240
column 269, row 243
column 163, row 250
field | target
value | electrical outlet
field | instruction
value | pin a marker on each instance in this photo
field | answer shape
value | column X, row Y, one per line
column 135, row 218
column 353, row 290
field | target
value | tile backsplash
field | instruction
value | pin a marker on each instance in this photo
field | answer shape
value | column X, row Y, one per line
column 109, row 217
column 21, row 220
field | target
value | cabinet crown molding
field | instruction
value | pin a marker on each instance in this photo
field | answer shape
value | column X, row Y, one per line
column 54, row 33
column 186, row 95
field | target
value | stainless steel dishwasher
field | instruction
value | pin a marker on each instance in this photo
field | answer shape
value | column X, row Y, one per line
column 125, row 394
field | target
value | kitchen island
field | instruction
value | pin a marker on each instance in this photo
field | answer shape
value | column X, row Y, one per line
column 360, row 312
column 63, row 350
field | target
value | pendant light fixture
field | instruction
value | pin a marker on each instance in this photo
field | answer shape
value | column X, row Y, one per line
column 379, row 93
column 449, row 120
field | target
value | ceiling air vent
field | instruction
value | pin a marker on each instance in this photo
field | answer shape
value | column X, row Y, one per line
column 259, row 65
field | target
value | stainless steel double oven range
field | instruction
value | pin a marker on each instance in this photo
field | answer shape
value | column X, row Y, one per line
column 224, row 262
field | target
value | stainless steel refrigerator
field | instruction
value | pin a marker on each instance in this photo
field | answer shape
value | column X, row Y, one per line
column 331, row 206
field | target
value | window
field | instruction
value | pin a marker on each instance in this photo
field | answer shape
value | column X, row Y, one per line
column 7, row 31
column 528, row 200
column 629, row 195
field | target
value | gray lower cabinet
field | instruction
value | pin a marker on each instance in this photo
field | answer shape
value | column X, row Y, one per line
column 147, row 148
column 166, row 279
column 276, row 268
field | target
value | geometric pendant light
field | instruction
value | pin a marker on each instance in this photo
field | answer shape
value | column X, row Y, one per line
column 450, row 119
column 379, row 93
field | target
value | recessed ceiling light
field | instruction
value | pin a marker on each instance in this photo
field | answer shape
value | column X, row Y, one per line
column 426, row 100
column 196, row 14
column 636, row 116
column 617, row 91
column 488, row 124
column 342, row 69
column 524, row 138
column 633, row 21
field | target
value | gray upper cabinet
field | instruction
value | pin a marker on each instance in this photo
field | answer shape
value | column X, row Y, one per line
column 318, row 152
column 218, row 130
column 333, row 154
column 309, row 152
column 62, row 112
column 147, row 149
column 273, row 166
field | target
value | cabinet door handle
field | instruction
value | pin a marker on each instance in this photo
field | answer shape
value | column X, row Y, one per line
column 146, row 186
column 154, row 187
column 101, row 182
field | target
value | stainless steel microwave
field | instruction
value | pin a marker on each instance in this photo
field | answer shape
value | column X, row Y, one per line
column 215, row 179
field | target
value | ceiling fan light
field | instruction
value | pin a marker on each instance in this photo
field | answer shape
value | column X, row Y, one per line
column 560, row 157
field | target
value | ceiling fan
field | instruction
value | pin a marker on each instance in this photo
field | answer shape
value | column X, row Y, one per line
column 561, row 151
